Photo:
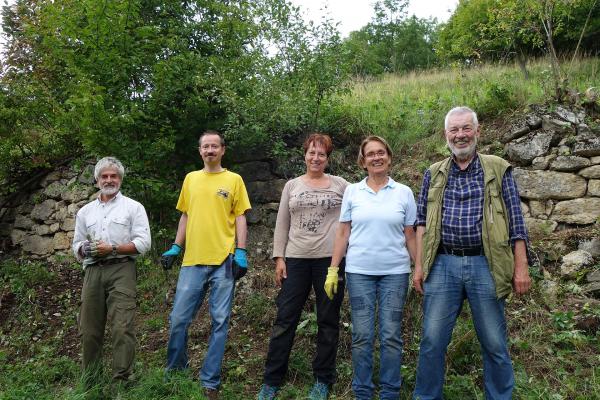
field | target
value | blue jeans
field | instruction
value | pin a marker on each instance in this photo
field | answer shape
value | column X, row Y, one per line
column 373, row 296
column 451, row 280
column 192, row 285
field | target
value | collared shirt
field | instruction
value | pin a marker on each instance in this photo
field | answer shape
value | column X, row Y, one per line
column 377, row 245
column 462, row 208
column 118, row 221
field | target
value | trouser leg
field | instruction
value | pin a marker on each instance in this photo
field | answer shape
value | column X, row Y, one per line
column 121, row 313
column 290, row 301
column 328, row 321
column 92, row 319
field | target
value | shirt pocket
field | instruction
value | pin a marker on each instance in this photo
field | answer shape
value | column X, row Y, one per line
column 119, row 227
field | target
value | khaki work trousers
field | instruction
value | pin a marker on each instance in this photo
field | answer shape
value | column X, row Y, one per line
column 109, row 293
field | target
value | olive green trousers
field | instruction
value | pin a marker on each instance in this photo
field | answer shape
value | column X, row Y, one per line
column 109, row 294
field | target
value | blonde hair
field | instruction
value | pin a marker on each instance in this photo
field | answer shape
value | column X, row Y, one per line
column 373, row 138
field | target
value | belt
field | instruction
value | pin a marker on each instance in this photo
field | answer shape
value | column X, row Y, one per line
column 110, row 261
column 461, row 251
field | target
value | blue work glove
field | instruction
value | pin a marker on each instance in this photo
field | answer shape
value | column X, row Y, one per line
column 240, row 263
column 169, row 256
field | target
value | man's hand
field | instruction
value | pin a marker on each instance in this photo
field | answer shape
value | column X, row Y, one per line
column 280, row 270
column 168, row 257
column 331, row 282
column 89, row 249
column 102, row 248
column 240, row 263
column 418, row 278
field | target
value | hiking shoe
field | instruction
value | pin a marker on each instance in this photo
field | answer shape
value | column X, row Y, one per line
column 267, row 392
column 211, row 394
column 319, row 391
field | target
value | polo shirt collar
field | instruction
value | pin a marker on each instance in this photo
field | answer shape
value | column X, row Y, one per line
column 362, row 185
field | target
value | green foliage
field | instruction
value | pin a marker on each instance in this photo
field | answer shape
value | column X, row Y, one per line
column 392, row 42
column 20, row 278
column 489, row 30
column 140, row 79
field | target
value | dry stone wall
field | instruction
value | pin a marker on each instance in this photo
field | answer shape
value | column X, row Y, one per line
column 557, row 168
column 41, row 223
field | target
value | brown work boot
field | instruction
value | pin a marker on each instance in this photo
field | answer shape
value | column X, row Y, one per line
column 211, row 394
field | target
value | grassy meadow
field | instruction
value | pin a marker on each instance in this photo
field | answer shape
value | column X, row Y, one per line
column 554, row 356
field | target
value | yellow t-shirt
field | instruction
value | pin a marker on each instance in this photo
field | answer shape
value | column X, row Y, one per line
column 211, row 202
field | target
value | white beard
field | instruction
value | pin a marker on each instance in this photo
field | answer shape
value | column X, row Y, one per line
column 110, row 190
column 463, row 153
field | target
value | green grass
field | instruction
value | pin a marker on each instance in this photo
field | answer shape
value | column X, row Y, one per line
column 553, row 359
column 405, row 109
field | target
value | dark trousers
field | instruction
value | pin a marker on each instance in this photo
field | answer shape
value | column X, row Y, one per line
column 109, row 293
column 302, row 273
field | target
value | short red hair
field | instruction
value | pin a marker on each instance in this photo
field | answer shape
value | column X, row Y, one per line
column 318, row 138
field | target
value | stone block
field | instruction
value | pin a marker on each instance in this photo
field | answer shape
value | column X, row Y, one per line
column 17, row 236
column 595, row 160
column 515, row 133
column 592, row 246
column 569, row 163
column 587, row 144
column 524, row 150
column 533, row 121
column 556, row 125
column 255, row 171
column 23, row 222
column 43, row 211
column 87, row 175
column 594, row 187
column 542, row 227
column 592, row 172
column 549, row 184
column 61, row 241
column 574, row 262
column 77, row 193
column 543, row 162
column 581, row 211
column 68, row 224
column 54, row 190
column 40, row 245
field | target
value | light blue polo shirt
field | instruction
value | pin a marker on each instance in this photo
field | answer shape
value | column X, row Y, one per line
column 377, row 245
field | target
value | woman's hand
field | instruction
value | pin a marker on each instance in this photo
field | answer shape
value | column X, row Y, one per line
column 280, row 270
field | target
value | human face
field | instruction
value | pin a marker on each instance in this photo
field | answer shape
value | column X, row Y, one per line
column 109, row 182
column 462, row 136
column 211, row 150
column 315, row 158
column 376, row 160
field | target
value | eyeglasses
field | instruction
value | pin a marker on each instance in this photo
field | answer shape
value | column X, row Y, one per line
column 465, row 129
column 374, row 154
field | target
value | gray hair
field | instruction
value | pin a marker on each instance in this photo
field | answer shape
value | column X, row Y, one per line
column 461, row 110
column 108, row 162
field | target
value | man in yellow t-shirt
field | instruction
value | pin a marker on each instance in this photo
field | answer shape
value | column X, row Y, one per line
column 213, row 202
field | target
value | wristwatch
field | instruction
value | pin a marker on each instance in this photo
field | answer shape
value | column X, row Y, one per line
column 114, row 250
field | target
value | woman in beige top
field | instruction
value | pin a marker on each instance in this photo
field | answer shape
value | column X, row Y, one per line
column 302, row 247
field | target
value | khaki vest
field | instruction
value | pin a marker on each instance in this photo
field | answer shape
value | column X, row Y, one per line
column 494, row 234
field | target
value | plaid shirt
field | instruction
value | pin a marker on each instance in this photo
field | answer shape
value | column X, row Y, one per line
column 462, row 208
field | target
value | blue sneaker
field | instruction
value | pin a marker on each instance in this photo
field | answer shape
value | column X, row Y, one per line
column 319, row 391
column 267, row 392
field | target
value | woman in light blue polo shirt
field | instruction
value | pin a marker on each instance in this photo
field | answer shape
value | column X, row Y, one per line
column 376, row 228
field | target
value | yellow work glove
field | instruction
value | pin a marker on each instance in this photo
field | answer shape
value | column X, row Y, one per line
column 331, row 282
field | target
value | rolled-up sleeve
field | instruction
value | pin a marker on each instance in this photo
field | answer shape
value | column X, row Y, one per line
column 422, row 201
column 79, row 234
column 510, row 194
column 140, row 229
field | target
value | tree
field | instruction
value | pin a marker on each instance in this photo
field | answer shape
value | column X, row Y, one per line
column 140, row 79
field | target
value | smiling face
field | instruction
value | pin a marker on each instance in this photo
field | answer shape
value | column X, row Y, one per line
column 376, row 159
column 109, row 182
column 315, row 158
column 211, row 149
column 462, row 135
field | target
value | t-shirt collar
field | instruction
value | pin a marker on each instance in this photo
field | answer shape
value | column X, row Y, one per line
column 362, row 185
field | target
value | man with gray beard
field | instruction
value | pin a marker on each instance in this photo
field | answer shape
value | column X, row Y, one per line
column 109, row 233
column 471, row 244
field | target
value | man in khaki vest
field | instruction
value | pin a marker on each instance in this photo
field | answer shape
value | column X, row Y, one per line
column 471, row 244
